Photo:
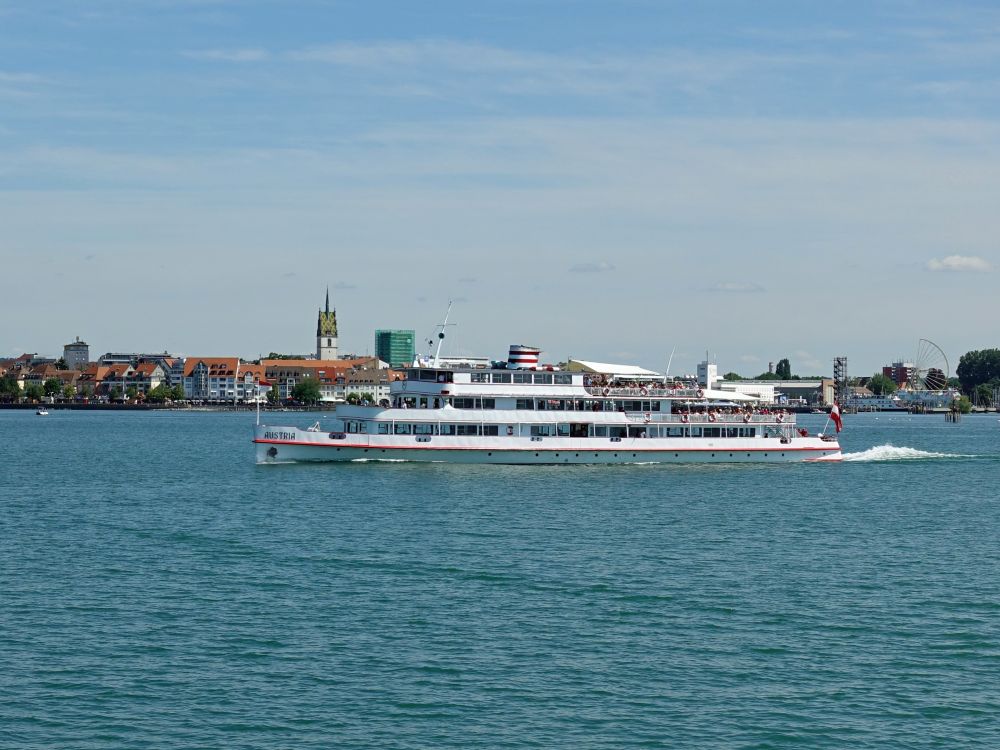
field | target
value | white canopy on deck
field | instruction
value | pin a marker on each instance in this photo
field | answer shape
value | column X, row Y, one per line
column 728, row 395
column 611, row 370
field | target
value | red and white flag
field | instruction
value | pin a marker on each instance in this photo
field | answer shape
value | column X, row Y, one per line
column 835, row 416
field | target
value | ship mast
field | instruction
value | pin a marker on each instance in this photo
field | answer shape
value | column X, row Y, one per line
column 440, row 336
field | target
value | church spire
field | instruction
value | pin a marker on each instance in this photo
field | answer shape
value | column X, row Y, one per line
column 327, row 299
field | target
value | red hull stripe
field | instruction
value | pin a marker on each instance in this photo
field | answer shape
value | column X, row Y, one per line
column 539, row 450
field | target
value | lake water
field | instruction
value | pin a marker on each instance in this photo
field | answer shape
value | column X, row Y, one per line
column 159, row 590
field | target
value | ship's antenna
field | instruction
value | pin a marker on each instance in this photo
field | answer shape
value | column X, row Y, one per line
column 440, row 334
column 666, row 373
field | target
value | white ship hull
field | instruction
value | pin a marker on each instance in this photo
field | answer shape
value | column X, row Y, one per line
column 277, row 445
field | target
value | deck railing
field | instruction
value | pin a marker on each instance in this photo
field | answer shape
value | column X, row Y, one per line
column 722, row 419
column 645, row 392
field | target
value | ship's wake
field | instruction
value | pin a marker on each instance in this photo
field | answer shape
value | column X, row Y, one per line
column 898, row 453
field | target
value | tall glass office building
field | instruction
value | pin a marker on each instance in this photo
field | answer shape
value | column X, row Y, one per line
column 395, row 347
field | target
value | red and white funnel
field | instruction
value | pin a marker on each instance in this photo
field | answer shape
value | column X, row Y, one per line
column 523, row 357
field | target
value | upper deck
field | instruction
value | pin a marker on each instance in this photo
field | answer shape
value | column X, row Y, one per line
column 521, row 383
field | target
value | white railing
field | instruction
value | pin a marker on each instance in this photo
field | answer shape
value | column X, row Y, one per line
column 643, row 392
column 726, row 419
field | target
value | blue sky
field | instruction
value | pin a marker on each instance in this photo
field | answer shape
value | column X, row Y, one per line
column 605, row 180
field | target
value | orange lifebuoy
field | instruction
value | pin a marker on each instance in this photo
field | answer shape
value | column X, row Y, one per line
column 781, row 417
column 606, row 391
column 643, row 392
column 701, row 393
column 711, row 417
column 746, row 418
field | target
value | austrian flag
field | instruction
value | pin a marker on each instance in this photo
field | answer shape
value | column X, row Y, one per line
column 835, row 416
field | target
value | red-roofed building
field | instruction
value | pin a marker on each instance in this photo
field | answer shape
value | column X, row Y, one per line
column 220, row 379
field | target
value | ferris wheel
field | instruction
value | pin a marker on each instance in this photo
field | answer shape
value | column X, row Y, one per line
column 930, row 368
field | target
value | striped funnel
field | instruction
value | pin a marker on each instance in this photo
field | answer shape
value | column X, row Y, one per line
column 523, row 357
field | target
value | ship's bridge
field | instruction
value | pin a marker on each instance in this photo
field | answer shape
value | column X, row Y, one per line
column 439, row 381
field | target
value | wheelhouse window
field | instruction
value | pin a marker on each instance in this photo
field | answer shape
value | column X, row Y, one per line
column 543, row 378
column 501, row 377
column 480, row 377
column 522, row 377
column 562, row 378
column 474, row 403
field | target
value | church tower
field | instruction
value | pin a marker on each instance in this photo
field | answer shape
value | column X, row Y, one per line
column 326, row 332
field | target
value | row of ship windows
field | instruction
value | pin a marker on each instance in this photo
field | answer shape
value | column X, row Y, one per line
column 538, row 378
column 549, row 430
column 535, row 404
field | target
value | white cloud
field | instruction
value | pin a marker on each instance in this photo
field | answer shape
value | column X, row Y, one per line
column 736, row 287
column 228, row 55
column 959, row 263
column 528, row 72
column 599, row 267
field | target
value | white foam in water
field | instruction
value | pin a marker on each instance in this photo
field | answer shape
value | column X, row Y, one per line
column 893, row 453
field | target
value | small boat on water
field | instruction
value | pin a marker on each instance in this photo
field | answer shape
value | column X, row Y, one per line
column 41, row 411
column 520, row 412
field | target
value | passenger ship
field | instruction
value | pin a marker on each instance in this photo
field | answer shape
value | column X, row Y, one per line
column 515, row 412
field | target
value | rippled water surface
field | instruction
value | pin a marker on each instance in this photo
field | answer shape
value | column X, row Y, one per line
column 159, row 590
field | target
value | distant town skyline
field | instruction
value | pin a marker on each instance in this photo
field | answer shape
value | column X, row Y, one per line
column 605, row 181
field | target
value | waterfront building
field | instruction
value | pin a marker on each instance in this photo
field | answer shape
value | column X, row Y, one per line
column 374, row 382
column 39, row 374
column 132, row 358
column 395, row 346
column 763, row 390
column 146, row 377
column 285, row 374
column 220, row 379
column 900, row 373
column 708, row 374
column 326, row 332
column 76, row 354
column 91, row 382
column 906, row 375
column 175, row 372
column 807, row 392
